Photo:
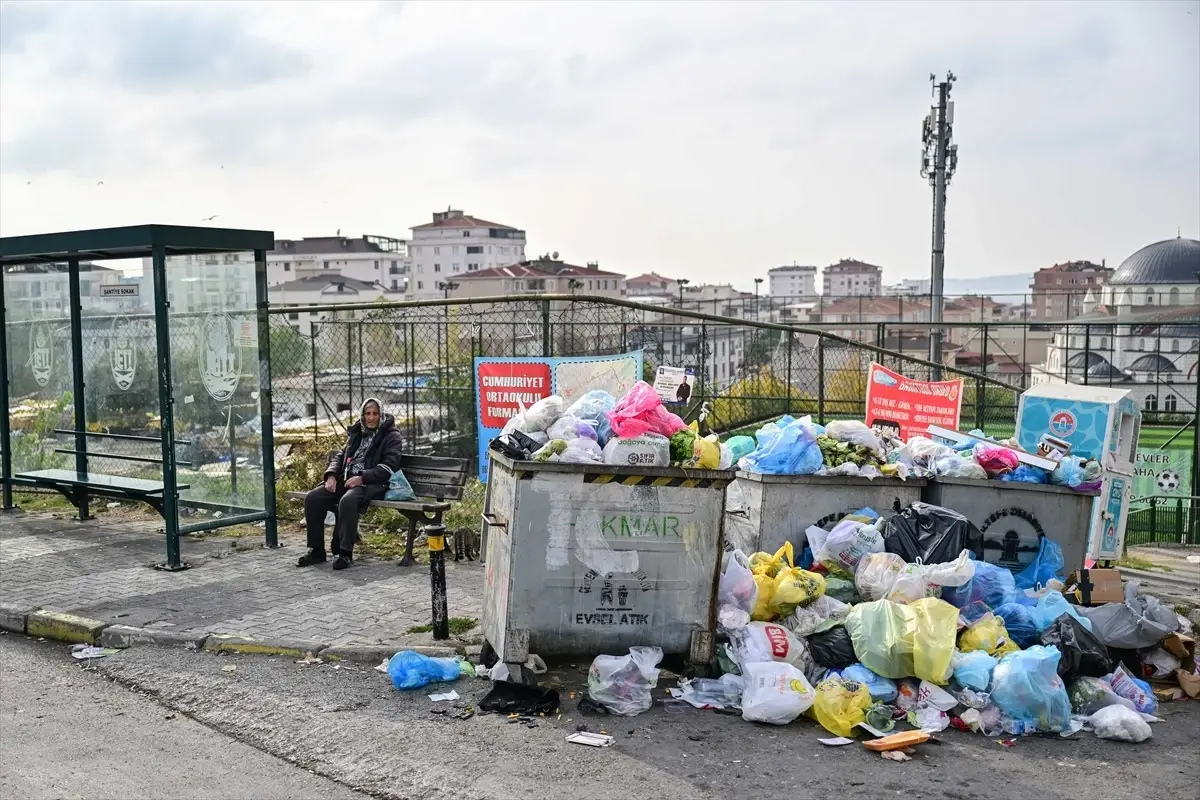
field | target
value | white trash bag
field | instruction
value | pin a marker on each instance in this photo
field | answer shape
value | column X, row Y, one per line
column 647, row 450
column 1120, row 723
column 759, row 642
column 918, row 581
column 622, row 684
column 877, row 574
column 775, row 693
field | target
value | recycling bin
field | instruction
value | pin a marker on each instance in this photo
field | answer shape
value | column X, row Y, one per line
column 585, row 559
column 764, row 511
column 1015, row 516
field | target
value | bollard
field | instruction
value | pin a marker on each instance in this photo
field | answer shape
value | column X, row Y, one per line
column 435, row 537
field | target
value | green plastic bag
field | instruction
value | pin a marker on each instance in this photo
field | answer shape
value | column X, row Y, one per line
column 902, row 641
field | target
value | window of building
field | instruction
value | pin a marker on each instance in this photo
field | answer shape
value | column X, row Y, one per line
column 294, row 315
column 395, row 263
column 1169, row 403
column 1142, row 345
column 325, row 265
column 474, row 249
column 420, row 284
column 466, row 233
column 472, row 267
column 454, row 267
column 437, row 267
column 1151, row 402
column 376, row 265
column 437, row 251
column 1174, row 345
column 1149, row 297
column 1174, row 296
column 287, row 267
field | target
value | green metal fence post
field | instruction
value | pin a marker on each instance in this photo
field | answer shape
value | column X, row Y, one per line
column 166, row 407
column 5, row 437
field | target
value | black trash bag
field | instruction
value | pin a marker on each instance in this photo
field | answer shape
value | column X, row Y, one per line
column 515, row 445
column 507, row 697
column 1082, row 653
column 832, row 648
column 930, row 533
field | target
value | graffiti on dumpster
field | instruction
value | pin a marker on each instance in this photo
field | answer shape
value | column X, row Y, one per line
column 616, row 599
column 1011, row 537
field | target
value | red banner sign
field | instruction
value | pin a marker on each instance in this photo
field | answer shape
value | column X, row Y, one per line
column 908, row 407
column 505, row 386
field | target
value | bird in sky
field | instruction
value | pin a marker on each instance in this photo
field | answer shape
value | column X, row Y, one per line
column 99, row 183
column 210, row 219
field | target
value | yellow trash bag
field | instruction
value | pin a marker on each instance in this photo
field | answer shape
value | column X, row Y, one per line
column 762, row 605
column 795, row 587
column 904, row 641
column 708, row 454
column 769, row 565
column 989, row 635
column 841, row 704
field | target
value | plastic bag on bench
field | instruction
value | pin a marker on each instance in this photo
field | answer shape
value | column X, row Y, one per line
column 399, row 488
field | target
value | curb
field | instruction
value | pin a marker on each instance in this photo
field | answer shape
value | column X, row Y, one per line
column 63, row 627
column 12, row 618
column 125, row 636
column 296, row 648
column 374, row 653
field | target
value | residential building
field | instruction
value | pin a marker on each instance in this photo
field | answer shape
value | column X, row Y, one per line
column 43, row 290
column 795, row 282
column 456, row 244
column 1141, row 331
column 323, row 290
column 908, row 287
column 651, row 285
column 373, row 259
column 1057, row 292
column 852, row 278
column 545, row 274
column 206, row 282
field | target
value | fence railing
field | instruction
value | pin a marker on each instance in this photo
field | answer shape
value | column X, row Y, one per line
column 1164, row 520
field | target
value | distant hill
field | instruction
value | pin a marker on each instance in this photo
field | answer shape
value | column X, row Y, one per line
column 996, row 284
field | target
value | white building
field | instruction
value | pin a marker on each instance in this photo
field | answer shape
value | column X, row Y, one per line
column 43, row 290
column 908, row 287
column 548, row 275
column 792, row 283
column 455, row 244
column 852, row 278
column 320, row 290
column 373, row 259
column 1142, row 333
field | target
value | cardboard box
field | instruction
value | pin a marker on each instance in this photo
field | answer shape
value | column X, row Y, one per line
column 1095, row 587
column 1183, row 647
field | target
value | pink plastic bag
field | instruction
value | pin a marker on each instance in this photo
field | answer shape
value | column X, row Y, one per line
column 995, row 460
column 641, row 411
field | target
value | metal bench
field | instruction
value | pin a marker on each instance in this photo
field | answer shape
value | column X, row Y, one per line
column 77, row 486
column 434, row 480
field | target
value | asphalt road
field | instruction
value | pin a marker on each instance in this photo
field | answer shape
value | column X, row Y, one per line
column 68, row 732
column 346, row 722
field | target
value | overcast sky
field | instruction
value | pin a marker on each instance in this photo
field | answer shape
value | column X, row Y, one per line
column 705, row 140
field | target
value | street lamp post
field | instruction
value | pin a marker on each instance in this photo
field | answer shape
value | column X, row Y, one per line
column 682, row 283
column 757, row 283
column 447, row 287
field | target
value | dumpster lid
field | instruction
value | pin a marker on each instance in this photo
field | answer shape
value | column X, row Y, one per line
column 991, row 483
column 830, row 480
column 612, row 469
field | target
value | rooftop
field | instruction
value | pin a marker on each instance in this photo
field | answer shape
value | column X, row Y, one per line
column 134, row 241
column 542, row 268
column 319, row 283
column 852, row 265
column 1169, row 261
column 1075, row 266
column 454, row 218
column 322, row 245
column 649, row 279
column 793, row 268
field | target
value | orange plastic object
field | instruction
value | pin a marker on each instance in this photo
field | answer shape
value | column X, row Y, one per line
column 897, row 741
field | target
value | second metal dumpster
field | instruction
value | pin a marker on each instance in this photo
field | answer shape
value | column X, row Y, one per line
column 764, row 511
column 1014, row 516
column 586, row 559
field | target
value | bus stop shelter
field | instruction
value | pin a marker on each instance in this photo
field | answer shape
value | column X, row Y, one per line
column 153, row 388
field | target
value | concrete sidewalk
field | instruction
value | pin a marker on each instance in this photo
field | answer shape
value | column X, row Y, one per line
column 102, row 570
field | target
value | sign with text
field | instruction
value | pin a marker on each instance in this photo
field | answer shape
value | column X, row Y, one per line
column 120, row 290
column 1162, row 473
column 505, row 385
column 908, row 407
column 674, row 384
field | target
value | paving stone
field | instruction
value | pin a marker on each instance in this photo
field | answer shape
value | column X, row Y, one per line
column 63, row 627
column 126, row 636
column 12, row 617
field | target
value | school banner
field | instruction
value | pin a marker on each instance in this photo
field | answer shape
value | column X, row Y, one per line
column 908, row 407
column 504, row 385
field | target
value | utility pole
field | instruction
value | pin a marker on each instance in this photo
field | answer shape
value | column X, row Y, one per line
column 939, row 159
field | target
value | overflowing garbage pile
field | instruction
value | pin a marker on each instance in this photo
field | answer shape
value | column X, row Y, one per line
column 893, row 622
column 791, row 446
column 636, row 430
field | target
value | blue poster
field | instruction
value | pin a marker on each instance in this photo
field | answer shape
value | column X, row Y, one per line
column 503, row 386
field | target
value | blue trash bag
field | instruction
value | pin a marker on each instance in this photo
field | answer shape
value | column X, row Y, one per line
column 973, row 670
column 1069, row 472
column 1046, row 565
column 882, row 689
column 785, row 449
column 806, row 559
column 410, row 670
column 740, row 446
column 399, row 488
column 592, row 407
column 1026, row 474
column 1018, row 621
column 1050, row 607
column 992, row 585
column 1026, row 686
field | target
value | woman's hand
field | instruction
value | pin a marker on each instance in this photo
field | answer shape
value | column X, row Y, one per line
column 353, row 482
column 331, row 484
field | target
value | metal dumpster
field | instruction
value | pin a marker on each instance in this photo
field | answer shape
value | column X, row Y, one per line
column 1014, row 516
column 764, row 511
column 586, row 559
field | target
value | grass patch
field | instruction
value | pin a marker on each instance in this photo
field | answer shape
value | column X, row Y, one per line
column 1183, row 610
column 1132, row 562
column 386, row 545
column 41, row 501
column 458, row 626
column 232, row 532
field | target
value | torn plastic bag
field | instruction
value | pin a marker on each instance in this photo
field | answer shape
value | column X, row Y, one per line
column 1053, row 605
column 877, row 575
column 956, row 466
column 769, row 565
column 832, row 648
column 766, row 641
column 897, row 641
column 1089, row 695
column 411, row 670
column 881, row 688
column 507, row 697
column 847, row 544
column 1026, row 474
column 775, row 693
column 991, row 585
column 1046, row 566
column 725, row 692
column 930, row 534
column 994, row 459
column 989, row 635
column 1134, row 689
column 736, row 587
column 592, row 405
column 1082, row 653
column 1121, row 724
column 622, row 684
column 920, row 453
column 973, row 669
column 856, row 433
column 824, row 612
column 1141, row 621
column 788, row 447
column 582, row 451
column 1026, row 686
column 569, row 427
column 841, row 704
column 1018, row 621
column 916, row 581
column 641, row 411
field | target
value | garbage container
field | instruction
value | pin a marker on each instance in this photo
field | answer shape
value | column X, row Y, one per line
column 1014, row 516
column 764, row 511
column 585, row 559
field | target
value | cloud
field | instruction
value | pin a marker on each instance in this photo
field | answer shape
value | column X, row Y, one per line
column 21, row 21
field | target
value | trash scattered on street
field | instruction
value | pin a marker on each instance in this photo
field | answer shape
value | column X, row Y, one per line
column 591, row 739
column 836, row 741
column 84, row 651
column 895, row 755
column 309, row 658
column 229, row 668
column 450, row 695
